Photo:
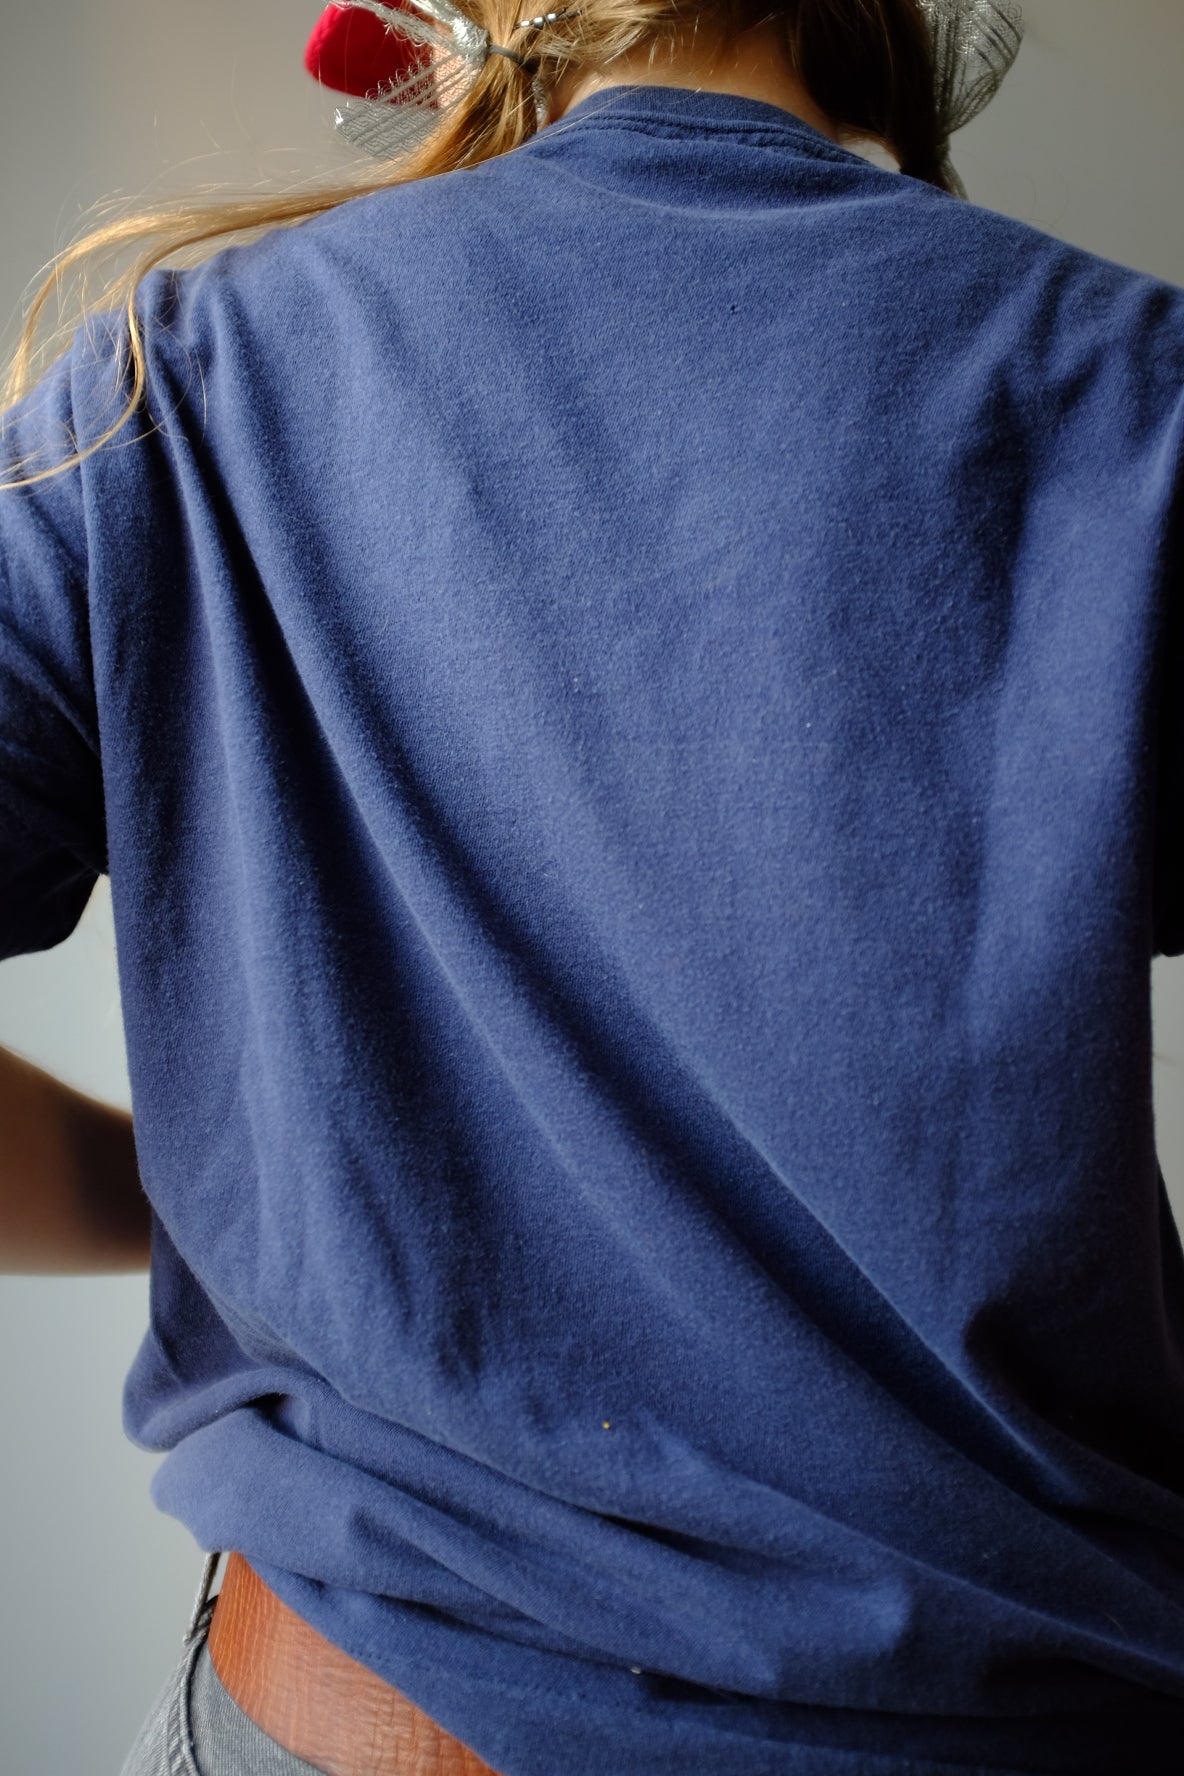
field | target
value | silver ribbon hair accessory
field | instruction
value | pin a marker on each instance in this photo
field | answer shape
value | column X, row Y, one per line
column 975, row 43
column 404, row 111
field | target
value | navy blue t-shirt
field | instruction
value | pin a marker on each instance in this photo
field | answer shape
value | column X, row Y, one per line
column 629, row 698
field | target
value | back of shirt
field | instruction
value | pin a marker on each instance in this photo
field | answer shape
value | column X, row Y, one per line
column 625, row 695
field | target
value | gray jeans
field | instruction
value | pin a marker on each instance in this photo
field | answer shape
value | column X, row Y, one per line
column 195, row 1727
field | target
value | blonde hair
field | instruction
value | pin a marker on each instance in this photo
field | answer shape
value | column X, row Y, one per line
column 867, row 64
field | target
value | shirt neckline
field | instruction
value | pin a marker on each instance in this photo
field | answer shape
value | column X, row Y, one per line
column 688, row 110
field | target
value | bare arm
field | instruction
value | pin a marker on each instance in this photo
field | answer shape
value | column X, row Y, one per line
column 71, row 1202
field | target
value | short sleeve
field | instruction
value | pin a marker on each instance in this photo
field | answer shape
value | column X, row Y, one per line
column 52, row 830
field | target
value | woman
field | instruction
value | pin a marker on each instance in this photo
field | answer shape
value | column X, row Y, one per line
column 619, row 679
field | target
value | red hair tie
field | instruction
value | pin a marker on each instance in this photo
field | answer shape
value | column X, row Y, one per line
column 352, row 51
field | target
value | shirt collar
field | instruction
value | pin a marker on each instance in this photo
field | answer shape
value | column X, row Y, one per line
column 688, row 110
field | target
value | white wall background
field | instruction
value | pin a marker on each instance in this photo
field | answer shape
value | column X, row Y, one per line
column 100, row 97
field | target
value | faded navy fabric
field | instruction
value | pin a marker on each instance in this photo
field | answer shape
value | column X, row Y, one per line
column 630, row 700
